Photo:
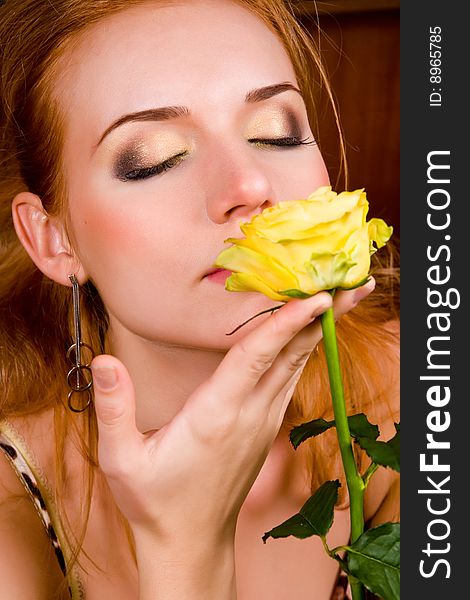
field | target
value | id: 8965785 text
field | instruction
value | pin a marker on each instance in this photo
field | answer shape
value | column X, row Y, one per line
column 435, row 62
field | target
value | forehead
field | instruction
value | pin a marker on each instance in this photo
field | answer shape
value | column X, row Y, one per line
column 198, row 53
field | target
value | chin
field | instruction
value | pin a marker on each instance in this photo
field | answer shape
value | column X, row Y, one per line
column 242, row 307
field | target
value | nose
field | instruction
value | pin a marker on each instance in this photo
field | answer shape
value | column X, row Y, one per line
column 238, row 187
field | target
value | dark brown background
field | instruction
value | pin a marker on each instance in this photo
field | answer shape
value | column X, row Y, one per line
column 360, row 46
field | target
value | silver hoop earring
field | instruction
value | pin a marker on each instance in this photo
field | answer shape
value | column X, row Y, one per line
column 79, row 378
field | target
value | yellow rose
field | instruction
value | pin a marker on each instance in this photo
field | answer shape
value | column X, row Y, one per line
column 298, row 248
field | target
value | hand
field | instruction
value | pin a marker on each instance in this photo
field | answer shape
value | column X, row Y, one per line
column 189, row 479
column 182, row 487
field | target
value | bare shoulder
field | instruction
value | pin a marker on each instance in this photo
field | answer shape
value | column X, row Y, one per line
column 28, row 568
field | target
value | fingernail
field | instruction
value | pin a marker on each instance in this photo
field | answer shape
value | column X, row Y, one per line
column 321, row 308
column 104, row 377
column 364, row 290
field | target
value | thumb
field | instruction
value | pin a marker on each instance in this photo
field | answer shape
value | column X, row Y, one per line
column 115, row 411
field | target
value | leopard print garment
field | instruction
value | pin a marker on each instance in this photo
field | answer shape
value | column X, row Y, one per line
column 29, row 482
column 13, row 447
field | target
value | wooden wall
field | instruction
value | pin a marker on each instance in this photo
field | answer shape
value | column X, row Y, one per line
column 364, row 73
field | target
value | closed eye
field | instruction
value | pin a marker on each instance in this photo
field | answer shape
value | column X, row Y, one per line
column 162, row 167
column 283, row 142
column 166, row 165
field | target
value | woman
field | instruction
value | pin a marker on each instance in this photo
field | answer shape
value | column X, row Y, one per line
column 137, row 136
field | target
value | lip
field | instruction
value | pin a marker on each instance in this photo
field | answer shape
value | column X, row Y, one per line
column 218, row 275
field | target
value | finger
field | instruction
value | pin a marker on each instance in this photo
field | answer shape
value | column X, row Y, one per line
column 346, row 300
column 293, row 357
column 251, row 357
column 115, row 411
column 278, row 408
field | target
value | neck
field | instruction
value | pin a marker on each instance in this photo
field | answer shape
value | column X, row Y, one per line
column 164, row 376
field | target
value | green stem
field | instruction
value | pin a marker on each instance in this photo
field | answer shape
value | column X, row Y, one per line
column 353, row 478
column 371, row 469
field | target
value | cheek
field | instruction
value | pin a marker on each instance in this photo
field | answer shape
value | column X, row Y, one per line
column 128, row 256
column 118, row 242
column 315, row 172
column 305, row 174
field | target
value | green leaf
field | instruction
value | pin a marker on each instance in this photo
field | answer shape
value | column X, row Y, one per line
column 319, row 508
column 307, row 430
column 293, row 293
column 374, row 559
column 314, row 518
column 386, row 454
column 359, row 427
column 297, row 525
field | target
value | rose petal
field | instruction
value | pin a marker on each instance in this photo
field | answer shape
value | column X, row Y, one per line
column 245, row 282
column 245, row 260
column 298, row 248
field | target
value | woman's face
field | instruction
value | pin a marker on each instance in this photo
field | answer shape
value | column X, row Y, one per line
column 171, row 119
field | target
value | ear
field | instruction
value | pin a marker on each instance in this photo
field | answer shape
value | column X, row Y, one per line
column 45, row 240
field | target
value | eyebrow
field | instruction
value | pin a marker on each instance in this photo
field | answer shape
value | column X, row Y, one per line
column 166, row 113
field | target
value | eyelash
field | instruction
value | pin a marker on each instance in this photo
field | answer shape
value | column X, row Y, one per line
column 168, row 164
column 284, row 142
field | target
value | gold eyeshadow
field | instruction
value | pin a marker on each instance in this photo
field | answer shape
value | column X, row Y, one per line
column 274, row 122
column 140, row 153
column 152, row 148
